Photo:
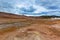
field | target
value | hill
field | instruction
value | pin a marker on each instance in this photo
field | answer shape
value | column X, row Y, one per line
column 20, row 27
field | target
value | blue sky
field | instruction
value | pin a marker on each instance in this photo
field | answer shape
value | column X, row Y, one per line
column 31, row 7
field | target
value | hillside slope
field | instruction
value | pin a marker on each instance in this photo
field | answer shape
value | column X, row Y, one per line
column 17, row 27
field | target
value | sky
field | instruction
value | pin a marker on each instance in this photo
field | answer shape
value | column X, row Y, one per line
column 31, row 7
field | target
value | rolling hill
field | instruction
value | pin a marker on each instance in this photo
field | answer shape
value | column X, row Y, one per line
column 20, row 27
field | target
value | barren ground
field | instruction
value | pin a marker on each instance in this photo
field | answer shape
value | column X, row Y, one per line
column 29, row 29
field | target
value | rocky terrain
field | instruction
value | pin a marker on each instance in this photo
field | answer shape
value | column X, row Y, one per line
column 16, row 27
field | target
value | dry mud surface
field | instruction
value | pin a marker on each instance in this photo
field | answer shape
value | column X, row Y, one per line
column 29, row 29
column 33, row 30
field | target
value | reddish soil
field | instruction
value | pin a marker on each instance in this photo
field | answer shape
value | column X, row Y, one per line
column 47, row 29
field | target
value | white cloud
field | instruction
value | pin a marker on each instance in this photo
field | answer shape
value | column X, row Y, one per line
column 26, row 3
column 39, row 9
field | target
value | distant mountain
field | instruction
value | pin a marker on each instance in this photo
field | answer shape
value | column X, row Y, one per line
column 44, row 17
column 10, row 15
column 15, row 16
column 53, row 16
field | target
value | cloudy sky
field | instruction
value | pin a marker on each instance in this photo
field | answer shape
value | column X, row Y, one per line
column 31, row 7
